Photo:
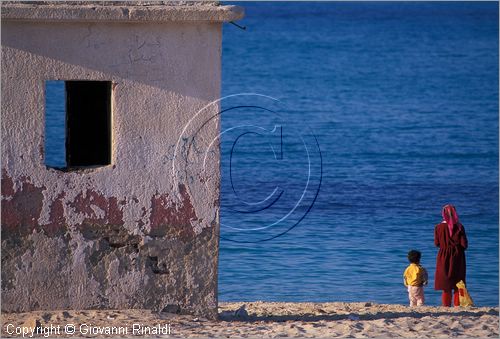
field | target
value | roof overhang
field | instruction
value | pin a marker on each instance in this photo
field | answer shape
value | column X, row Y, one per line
column 119, row 12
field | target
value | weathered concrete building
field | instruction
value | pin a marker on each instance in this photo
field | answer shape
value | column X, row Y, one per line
column 131, row 220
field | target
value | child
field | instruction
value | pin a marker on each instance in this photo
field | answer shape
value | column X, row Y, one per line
column 415, row 277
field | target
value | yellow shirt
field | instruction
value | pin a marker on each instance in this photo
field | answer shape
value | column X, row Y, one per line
column 415, row 275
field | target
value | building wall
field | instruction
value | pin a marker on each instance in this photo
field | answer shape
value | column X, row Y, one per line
column 142, row 232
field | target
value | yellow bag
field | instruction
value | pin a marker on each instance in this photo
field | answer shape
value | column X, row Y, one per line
column 465, row 298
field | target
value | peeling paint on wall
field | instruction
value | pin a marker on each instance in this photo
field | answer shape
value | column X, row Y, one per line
column 126, row 235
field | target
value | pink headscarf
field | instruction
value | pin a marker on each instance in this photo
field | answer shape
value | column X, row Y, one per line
column 450, row 217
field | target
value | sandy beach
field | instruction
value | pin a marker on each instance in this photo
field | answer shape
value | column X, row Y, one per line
column 271, row 320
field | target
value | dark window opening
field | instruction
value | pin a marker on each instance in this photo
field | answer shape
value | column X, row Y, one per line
column 84, row 119
column 88, row 123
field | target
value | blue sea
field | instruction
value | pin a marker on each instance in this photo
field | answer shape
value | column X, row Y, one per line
column 402, row 99
column 346, row 127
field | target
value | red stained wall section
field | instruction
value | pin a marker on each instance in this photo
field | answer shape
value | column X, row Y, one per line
column 167, row 218
column 20, row 209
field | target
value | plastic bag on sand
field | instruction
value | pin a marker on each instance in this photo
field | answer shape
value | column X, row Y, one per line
column 465, row 298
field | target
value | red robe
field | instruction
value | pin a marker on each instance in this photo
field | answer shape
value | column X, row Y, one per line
column 450, row 262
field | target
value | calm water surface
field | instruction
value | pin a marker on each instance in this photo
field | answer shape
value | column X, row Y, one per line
column 403, row 100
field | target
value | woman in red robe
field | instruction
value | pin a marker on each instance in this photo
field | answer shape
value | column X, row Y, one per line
column 450, row 237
